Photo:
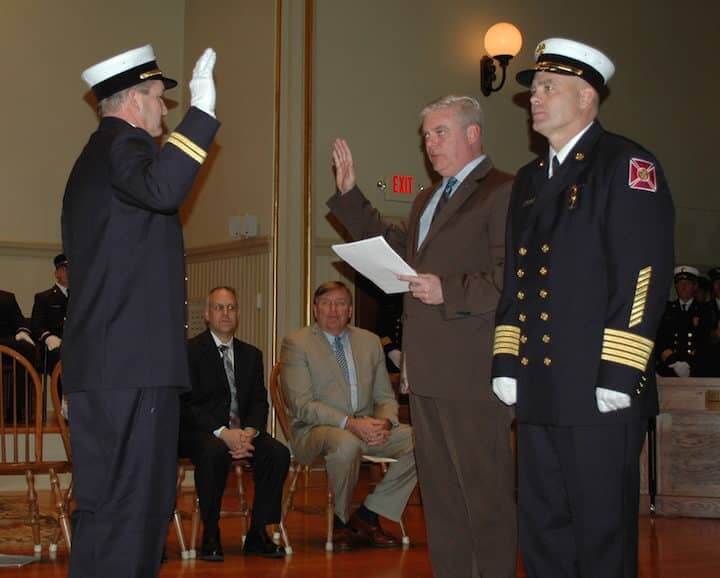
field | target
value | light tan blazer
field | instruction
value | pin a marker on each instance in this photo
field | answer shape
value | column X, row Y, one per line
column 315, row 387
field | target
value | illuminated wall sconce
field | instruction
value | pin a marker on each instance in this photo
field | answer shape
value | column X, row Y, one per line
column 502, row 42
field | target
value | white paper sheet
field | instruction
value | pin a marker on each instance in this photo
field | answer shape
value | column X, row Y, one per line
column 377, row 260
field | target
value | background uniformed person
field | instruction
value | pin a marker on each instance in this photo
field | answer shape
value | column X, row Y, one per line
column 704, row 289
column 714, row 303
column 683, row 340
column 389, row 328
column 48, row 315
column 15, row 334
column 124, row 354
column 588, row 266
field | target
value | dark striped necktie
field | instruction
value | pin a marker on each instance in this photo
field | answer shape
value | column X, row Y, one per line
column 445, row 197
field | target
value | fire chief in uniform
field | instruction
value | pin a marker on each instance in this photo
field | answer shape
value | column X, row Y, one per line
column 589, row 254
column 124, row 354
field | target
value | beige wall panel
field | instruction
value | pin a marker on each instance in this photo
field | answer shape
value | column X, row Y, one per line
column 48, row 44
column 238, row 176
column 247, row 273
column 379, row 62
column 49, row 116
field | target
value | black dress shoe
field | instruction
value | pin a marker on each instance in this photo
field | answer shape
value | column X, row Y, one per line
column 211, row 550
column 260, row 544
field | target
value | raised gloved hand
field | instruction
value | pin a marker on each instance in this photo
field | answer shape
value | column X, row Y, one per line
column 52, row 342
column 506, row 389
column 610, row 400
column 202, row 85
column 23, row 336
column 681, row 368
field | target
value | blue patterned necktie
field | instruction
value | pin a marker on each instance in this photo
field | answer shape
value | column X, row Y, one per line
column 445, row 197
column 230, row 372
column 341, row 359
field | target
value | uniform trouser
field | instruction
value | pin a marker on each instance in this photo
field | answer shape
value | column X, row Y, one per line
column 466, row 474
column 124, row 444
column 343, row 451
column 209, row 454
column 579, row 498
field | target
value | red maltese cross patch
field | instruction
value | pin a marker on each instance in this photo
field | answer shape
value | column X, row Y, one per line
column 642, row 175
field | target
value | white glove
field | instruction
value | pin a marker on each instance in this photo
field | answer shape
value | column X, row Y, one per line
column 52, row 342
column 610, row 400
column 506, row 389
column 202, row 85
column 23, row 336
column 404, row 385
column 396, row 357
column 681, row 368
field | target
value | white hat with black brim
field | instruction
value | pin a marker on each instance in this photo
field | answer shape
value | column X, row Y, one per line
column 123, row 71
column 572, row 58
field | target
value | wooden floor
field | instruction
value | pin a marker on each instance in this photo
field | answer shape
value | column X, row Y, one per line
column 669, row 548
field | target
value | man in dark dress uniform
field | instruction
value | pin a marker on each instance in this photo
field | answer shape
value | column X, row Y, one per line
column 15, row 334
column 224, row 417
column 48, row 315
column 714, row 303
column 683, row 340
column 589, row 254
column 14, row 331
column 124, row 352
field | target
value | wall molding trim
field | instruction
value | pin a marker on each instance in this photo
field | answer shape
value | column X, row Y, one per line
column 31, row 249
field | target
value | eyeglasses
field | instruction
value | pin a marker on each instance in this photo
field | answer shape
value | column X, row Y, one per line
column 221, row 307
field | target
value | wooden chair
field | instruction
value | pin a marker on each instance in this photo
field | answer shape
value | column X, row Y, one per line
column 189, row 550
column 62, row 498
column 21, row 443
column 240, row 467
column 277, row 396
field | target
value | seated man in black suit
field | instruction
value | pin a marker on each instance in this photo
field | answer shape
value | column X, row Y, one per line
column 223, row 418
column 48, row 315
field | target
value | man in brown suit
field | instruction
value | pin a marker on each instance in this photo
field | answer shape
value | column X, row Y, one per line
column 455, row 239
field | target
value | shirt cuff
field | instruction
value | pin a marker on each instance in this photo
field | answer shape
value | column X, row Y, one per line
column 344, row 421
column 218, row 431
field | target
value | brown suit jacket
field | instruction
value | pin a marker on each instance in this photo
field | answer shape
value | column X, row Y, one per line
column 447, row 347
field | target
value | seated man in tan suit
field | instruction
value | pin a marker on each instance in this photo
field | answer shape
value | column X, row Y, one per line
column 342, row 406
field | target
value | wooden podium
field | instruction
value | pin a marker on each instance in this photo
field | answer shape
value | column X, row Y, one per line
column 687, row 449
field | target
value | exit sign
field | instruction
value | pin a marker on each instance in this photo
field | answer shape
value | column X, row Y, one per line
column 402, row 184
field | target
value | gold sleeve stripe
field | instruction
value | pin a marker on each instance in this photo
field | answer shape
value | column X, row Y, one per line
column 641, row 291
column 626, row 349
column 182, row 138
column 507, row 340
column 187, row 150
column 188, row 147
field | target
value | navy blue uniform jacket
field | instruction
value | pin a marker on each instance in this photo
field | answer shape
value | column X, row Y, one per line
column 588, row 266
column 125, row 325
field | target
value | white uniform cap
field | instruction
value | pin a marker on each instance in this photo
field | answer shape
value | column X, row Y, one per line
column 123, row 71
column 686, row 272
column 563, row 56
